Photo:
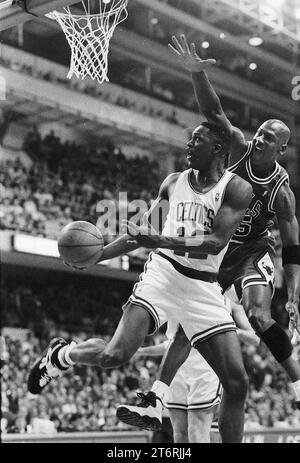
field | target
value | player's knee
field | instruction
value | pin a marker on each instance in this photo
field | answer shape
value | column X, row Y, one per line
column 180, row 435
column 259, row 320
column 237, row 385
column 258, row 314
column 199, row 431
column 199, row 436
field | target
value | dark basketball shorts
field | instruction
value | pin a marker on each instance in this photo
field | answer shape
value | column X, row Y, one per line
column 248, row 264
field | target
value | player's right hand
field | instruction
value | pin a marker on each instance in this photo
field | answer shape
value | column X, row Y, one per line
column 294, row 317
column 188, row 56
column 74, row 267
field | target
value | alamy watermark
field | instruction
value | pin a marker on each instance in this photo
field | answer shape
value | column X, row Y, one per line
column 296, row 89
column 152, row 218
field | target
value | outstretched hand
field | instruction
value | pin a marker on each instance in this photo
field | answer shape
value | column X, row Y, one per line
column 142, row 235
column 294, row 317
column 188, row 56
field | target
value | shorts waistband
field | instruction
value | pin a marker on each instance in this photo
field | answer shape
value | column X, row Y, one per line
column 190, row 272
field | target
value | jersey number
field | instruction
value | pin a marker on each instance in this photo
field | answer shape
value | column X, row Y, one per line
column 191, row 254
column 245, row 226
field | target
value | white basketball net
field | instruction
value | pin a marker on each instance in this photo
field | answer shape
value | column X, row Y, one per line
column 89, row 35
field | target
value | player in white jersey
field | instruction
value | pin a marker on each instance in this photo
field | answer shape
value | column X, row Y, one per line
column 196, row 389
column 206, row 203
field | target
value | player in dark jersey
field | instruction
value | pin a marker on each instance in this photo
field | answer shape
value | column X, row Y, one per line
column 248, row 262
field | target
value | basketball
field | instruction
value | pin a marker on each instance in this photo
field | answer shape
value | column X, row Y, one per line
column 80, row 243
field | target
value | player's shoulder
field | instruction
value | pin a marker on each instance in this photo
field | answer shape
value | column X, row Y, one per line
column 238, row 190
column 169, row 183
column 284, row 203
column 237, row 183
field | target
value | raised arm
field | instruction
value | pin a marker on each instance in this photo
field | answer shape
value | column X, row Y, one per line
column 208, row 101
column 289, row 232
column 236, row 200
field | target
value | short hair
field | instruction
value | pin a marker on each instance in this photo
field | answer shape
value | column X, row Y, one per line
column 220, row 134
column 284, row 128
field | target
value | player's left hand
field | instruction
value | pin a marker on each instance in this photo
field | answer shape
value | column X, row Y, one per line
column 188, row 56
column 143, row 235
column 294, row 323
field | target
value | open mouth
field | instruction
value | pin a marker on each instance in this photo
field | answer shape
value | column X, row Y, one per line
column 257, row 148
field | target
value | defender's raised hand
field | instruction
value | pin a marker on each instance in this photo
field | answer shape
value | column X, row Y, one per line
column 188, row 56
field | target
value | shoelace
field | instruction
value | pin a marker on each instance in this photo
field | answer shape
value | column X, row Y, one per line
column 146, row 399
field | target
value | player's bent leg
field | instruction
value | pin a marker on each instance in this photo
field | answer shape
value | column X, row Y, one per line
column 128, row 337
column 179, row 421
column 59, row 356
column 223, row 353
column 257, row 303
column 199, row 425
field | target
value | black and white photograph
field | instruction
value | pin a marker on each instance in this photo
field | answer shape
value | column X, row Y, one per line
column 149, row 224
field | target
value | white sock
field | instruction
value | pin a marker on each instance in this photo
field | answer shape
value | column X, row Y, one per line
column 296, row 388
column 162, row 391
column 64, row 355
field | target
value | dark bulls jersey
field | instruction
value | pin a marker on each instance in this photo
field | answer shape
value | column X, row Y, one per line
column 258, row 218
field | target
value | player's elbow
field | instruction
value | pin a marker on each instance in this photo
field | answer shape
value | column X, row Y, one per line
column 218, row 246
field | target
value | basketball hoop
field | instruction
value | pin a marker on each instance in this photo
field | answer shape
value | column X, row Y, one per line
column 89, row 34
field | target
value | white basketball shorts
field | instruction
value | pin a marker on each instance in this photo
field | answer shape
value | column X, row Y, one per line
column 197, row 305
column 195, row 386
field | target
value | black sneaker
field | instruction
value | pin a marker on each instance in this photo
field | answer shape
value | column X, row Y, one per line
column 45, row 369
column 146, row 415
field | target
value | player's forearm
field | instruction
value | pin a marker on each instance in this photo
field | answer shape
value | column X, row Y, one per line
column 118, row 247
column 207, row 99
column 292, row 279
column 248, row 337
column 206, row 245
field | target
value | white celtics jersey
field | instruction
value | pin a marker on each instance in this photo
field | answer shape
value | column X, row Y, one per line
column 192, row 213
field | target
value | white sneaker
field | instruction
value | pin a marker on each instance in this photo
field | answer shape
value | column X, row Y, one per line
column 45, row 369
column 146, row 415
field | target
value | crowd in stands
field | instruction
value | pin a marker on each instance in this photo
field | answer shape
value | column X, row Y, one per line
column 85, row 398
